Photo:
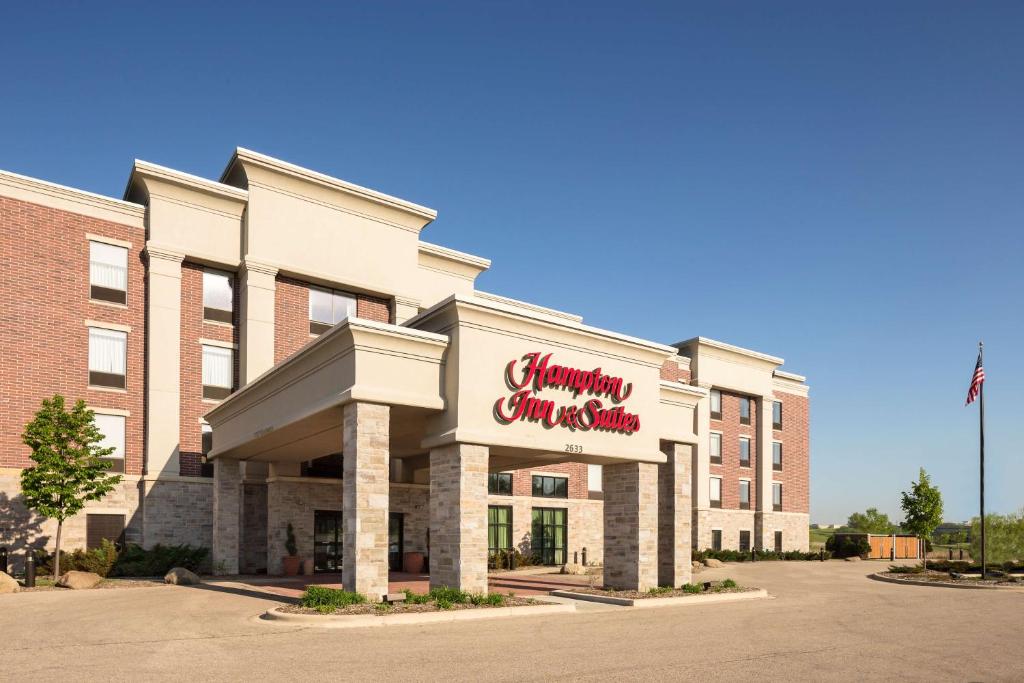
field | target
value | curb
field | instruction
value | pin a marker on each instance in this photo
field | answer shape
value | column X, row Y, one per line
column 935, row 584
column 371, row 620
column 644, row 603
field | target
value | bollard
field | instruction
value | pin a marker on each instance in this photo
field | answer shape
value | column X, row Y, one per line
column 3, row 560
column 511, row 559
column 575, row 557
column 961, row 553
column 584, row 556
column 753, row 555
column 951, row 553
column 821, row 554
column 30, row 570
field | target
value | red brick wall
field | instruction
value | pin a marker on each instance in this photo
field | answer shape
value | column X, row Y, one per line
column 194, row 328
column 730, row 469
column 671, row 371
column 795, row 438
column 522, row 480
column 44, row 302
column 291, row 315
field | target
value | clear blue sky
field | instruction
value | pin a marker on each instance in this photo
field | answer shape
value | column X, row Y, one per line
column 840, row 184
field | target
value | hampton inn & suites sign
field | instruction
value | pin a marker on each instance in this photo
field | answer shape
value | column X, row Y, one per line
column 538, row 373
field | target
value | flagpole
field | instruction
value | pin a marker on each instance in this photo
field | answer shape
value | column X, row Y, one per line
column 981, row 442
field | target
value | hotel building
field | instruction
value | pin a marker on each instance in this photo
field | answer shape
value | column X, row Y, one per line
column 281, row 347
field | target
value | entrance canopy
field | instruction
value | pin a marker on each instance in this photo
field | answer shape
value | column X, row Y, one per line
column 535, row 388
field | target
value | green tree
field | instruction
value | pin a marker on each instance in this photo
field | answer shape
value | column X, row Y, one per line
column 1004, row 538
column 922, row 506
column 871, row 521
column 68, row 470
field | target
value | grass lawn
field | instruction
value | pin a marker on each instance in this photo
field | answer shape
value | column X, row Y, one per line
column 819, row 536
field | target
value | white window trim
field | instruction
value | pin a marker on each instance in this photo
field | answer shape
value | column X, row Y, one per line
column 218, row 343
column 110, row 411
column 127, row 279
column 559, row 475
column 108, row 240
column 114, row 327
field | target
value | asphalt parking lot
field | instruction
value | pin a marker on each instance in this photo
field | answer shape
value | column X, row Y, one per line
column 826, row 621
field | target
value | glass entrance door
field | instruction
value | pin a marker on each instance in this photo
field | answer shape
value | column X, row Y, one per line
column 327, row 541
column 396, row 540
column 550, row 535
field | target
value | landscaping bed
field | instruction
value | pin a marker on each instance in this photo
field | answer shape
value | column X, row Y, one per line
column 688, row 590
column 919, row 576
column 46, row 584
column 318, row 600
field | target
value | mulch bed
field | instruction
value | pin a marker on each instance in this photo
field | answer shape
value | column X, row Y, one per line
column 943, row 578
column 105, row 584
column 403, row 608
column 674, row 593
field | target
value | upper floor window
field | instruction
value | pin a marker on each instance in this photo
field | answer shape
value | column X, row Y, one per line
column 328, row 307
column 716, row 404
column 108, row 352
column 206, row 467
column 218, row 296
column 715, row 492
column 108, row 273
column 776, row 414
column 112, row 429
column 218, row 372
column 550, row 487
column 777, row 496
column 776, row 455
column 716, row 448
column 744, row 411
column 499, row 483
column 744, row 452
column 744, row 494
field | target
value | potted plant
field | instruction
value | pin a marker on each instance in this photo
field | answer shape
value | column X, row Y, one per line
column 291, row 561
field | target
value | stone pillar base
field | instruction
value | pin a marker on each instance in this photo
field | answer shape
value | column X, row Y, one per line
column 674, row 516
column 458, row 517
column 227, row 501
column 630, row 526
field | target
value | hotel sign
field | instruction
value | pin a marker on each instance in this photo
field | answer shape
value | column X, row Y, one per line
column 537, row 373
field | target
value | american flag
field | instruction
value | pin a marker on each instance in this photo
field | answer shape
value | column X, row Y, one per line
column 976, row 381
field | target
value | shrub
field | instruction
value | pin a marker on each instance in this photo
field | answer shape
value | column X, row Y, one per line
column 728, row 583
column 660, row 590
column 841, row 545
column 692, row 588
column 899, row 569
column 327, row 600
column 97, row 560
column 158, row 560
column 1004, row 538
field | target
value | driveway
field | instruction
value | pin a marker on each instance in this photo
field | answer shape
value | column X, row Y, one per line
column 826, row 621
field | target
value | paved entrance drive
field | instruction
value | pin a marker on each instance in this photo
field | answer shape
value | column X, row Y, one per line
column 827, row 621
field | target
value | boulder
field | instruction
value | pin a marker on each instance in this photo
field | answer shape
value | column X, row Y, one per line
column 712, row 563
column 76, row 580
column 179, row 576
column 8, row 584
column 697, row 565
column 572, row 568
column 853, row 558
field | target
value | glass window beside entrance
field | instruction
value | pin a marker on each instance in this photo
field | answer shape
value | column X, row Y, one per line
column 744, row 541
column 327, row 541
column 716, row 539
column 499, row 529
column 499, row 483
column 549, row 539
column 550, row 487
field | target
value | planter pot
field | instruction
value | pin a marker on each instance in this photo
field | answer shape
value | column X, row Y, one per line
column 291, row 565
column 307, row 567
column 414, row 562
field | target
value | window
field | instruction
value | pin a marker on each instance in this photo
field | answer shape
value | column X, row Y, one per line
column 778, row 541
column 716, row 539
column 744, row 452
column 500, row 483
column 499, row 529
column 745, row 411
column 549, row 540
column 716, row 448
column 218, row 296
column 103, row 527
column 108, row 273
column 206, row 467
column 776, row 456
column 328, row 307
column 594, row 474
column 776, row 414
column 112, row 429
column 744, row 494
column 218, row 369
column 744, row 541
column 716, row 404
column 777, row 497
column 107, row 357
column 716, row 492
column 550, row 487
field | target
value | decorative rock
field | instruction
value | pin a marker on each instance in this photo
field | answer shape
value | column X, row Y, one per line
column 76, row 580
column 179, row 576
column 572, row 568
column 8, row 584
column 853, row 558
column 712, row 563
column 697, row 565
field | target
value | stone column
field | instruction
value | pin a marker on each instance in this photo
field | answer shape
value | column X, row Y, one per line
column 365, row 499
column 163, row 360
column 764, row 531
column 630, row 525
column 256, row 283
column 674, row 516
column 284, row 505
column 227, row 490
column 458, row 517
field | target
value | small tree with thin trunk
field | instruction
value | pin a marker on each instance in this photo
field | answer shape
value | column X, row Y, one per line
column 923, row 507
column 68, row 470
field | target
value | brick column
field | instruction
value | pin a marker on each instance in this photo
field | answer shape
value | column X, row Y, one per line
column 674, row 515
column 227, row 490
column 630, row 525
column 458, row 517
column 365, row 502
